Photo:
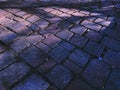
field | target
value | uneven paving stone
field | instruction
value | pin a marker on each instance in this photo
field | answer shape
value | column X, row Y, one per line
column 78, row 29
column 33, row 56
column 65, row 34
column 33, row 18
column 58, row 53
column 72, row 66
column 43, row 47
column 20, row 29
column 111, row 43
column 21, row 13
column 103, row 22
column 34, row 82
column 42, row 24
column 79, row 57
column 19, row 45
column 7, row 36
column 74, row 19
column 111, row 33
column 6, row 59
column 78, row 84
column 51, row 40
column 79, row 41
column 67, row 45
column 10, row 75
column 94, row 36
column 65, row 24
column 96, row 73
column 34, row 39
column 91, row 25
column 112, row 58
column 45, row 67
column 94, row 48
column 60, row 32
column 59, row 76
column 113, row 82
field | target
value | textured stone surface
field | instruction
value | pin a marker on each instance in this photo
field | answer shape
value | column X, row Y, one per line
column 113, row 81
column 94, row 48
column 79, row 57
column 62, row 44
column 60, row 76
column 59, row 54
column 10, row 75
column 33, row 82
column 96, row 73
column 33, row 56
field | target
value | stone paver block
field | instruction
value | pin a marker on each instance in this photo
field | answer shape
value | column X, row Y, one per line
column 65, row 24
column 78, row 84
column 103, row 22
column 111, row 43
column 43, row 47
column 67, row 45
column 34, row 39
column 94, row 36
column 8, row 37
column 58, row 53
column 11, row 74
column 33, row 56
column 20, row 29
column 79, row 57
column 59, row 76
column 78, row 30
column 33, row 18
column 113, row 82
column 6, row 59
column 74, row 19
column 51, row 40
column 91, row 25
column 94, row 48
column 19, row 45
column 65, row 34
column 42, row 24
column 72, row 66
column 113, row 58
column 96, row 73
column 34, row 82
column 46, row 66
column 79, row 41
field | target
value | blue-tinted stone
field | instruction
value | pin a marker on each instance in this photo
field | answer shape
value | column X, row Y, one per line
column 60, row 76
column 34, row 82
column 67, row 45
column 58, row 53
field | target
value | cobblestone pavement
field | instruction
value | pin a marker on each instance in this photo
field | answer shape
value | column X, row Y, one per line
column 60, row 48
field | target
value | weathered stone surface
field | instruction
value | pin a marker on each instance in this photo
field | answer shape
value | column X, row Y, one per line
column 96, row 73
column 59, row 54
column 113, row 58
column 94, row 48
column 34, row 82
column 11, row 74
column 78, row 84
column 111, row 43
column 51, row 40
column 78, row 40
column 113, row 81
column 33, row 56
column 79, row 57
column 60, row 76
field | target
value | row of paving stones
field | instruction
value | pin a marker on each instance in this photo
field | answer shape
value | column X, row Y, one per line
column 58, row 48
